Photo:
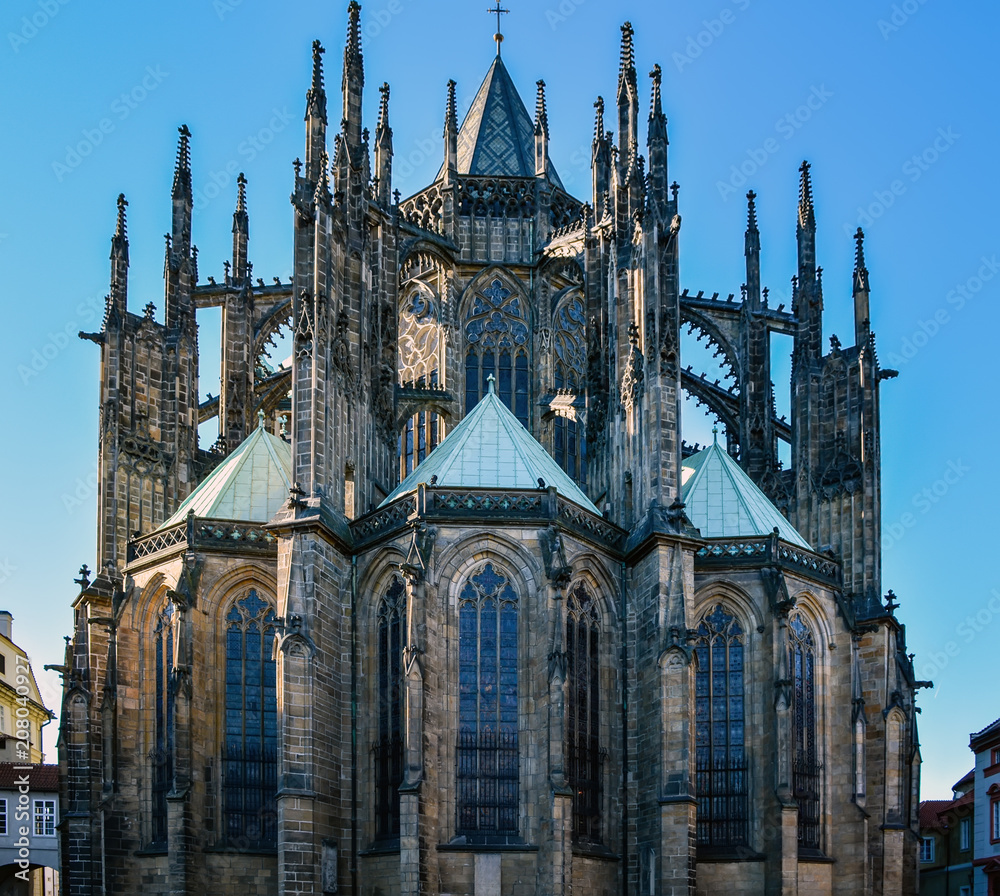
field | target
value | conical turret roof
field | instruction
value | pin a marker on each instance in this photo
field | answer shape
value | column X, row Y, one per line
column 497, row 137
column 491, row 449
column 723, row 502
column 251, row 484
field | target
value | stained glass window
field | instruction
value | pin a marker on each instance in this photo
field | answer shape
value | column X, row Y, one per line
column 496, row 335
column 250, row 750
column 720, row 754
column 163, row 745
column 806, row 770
column 388, row 748
column 488, row 763
column 583, row 723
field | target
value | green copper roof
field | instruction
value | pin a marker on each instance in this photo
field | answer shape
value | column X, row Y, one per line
column 723, row 502
column 497, row 136
column 251, row 484
column 491, row 449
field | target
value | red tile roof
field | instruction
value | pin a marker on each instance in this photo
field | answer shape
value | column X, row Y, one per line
column 40, row 777
column 929, row 810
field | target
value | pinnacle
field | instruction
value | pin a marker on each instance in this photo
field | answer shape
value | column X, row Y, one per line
column 121, row 230
column 182, row 170
column 451, row 111
column 383, row 108
column 541, row 116
column 751, row 210
column 599, row 119
column 807, row 215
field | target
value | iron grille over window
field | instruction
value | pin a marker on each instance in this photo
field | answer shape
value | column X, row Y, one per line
column 497, row 338
column 721, row 765
column 806, row 770
column 388, row 748
column 249, row 756
column 163, row 745
column 583, row 728
column 488, row 761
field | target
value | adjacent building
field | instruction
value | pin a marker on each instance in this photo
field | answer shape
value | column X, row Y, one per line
column 22, row 713
column 946, row 842
column 29, row 822
column 450, row 607
column 986, row 745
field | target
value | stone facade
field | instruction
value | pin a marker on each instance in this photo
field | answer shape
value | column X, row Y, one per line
column 399, row 312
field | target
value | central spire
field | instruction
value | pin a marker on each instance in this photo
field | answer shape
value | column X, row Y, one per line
column 499, row 11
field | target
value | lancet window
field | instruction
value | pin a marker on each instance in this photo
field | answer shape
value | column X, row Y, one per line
column 720, row 745
column 583, row 721
column 420, row 345
column 388, row 748
column 806, row 768
column 488, row 761
column 498, row 345
column 250, row 749
column 163, row 737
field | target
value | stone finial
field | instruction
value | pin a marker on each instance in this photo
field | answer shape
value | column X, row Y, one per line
column 182, row 169
column 541, row 115
column 807, row 214
column 751, row 210
column 599, row 119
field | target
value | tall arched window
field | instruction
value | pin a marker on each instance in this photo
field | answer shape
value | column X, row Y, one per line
column 806, row 769
column 419, row 362
column 496, row 336
column 569, row 366
column 488, row 763
column 720, row 754
column 388, row 749
column 583, row 722
column 250, row 750
column 163, row 748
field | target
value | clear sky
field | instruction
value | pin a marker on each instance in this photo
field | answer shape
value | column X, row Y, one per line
column 894, row 103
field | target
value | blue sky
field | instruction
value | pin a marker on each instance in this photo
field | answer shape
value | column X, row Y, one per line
column 894, row 103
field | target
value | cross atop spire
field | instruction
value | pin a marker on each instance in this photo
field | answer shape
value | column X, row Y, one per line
column 498, row 10
column 316, row 97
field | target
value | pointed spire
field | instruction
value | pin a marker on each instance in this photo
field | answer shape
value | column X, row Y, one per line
column 117, row 299
column 752, row 254
column 451, row 131
column 628, row 103
column 383, row 107
column 354, row 79
column 626, row 63
column 656, row 101
column 541, row 116
column 383, row 150
column 241, row 231
column 182, row 169
column 600, row 162
column 316, row 96
column 599, row 119
column 860, row 271
column 862, row 313
column 807, row 214
column 119, row 242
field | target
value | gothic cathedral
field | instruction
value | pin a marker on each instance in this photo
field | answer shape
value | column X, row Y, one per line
column 449, row 607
